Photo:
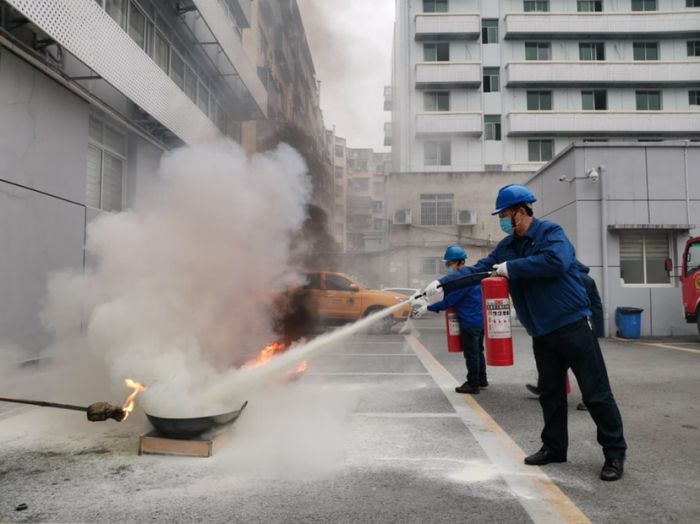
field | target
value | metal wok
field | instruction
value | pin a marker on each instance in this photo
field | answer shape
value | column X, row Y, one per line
column 186, row 428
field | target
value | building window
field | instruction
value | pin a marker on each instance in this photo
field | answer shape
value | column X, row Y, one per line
column 137, row 25
column 591, row 51
column 379, row 188
column 648, row 100
column 436, row 209
column 435, row 6
column 538, row 51
column 643, row 256
column 190, row 84
column 431, row 266
column 436, row 101
column 644, row 5
column 106, row 161
column 589, row 6
column 117, row 10
column 339, row 151
column 492, row 127
column 358, row 184
column 377, row 206
column 162, row 52
column 692, row 3
column 492, row 80
column 646, row 50
column 694, row 48
column 539, row 100
column 378, row 224
column 489, row 31
column 177, row 69
column 694, row 97
column 540, row 150
column 438, row 52
column 594, row 100
column 203, row 98
column 437, row 153
column 536, row 5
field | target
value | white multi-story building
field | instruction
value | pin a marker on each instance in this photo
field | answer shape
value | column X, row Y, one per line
column 490, row 85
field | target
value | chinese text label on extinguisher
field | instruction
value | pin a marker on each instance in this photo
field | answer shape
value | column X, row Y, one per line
column 498, row 334
column 498, row 317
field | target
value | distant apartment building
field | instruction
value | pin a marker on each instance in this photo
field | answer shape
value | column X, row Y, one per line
column 494, row 89
column 95, row 91
column 339, row 145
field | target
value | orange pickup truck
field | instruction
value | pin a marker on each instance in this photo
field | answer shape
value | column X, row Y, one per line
column 340, row 299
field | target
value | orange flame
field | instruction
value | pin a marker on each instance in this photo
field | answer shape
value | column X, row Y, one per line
column 268, row 352
column 130, row 401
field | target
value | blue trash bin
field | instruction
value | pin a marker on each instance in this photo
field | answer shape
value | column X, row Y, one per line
column 629, row 321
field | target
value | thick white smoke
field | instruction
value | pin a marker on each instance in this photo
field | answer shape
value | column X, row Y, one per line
column 182, row 283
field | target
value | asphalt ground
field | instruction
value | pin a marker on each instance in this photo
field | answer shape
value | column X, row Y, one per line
column 375, row 433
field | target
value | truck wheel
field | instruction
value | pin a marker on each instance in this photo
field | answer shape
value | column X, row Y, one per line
column 383, row 326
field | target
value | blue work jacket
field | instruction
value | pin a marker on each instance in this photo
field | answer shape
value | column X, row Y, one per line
column 467, row 302
column 544, row 278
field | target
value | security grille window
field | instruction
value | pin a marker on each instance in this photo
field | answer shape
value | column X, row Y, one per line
column 439, row 52
column 435, row 6
column 437, row 153
column 436, row 101
column 431, row 266
column 535, row 5
column 694, row 97
column 437, row 209
column 643, row 256
column 489, row 31
column 694, row 48
column 648, row 100
column 539, row 100
column 540, row 150
column 137, row 25
column 646, row 50
column 591, row 51
column 644, row 5
column 492, row 127
column 538, row 51
column 594, row 100
column 589, row 6
column 162, row 52
column 492, row 80
column 106, row 160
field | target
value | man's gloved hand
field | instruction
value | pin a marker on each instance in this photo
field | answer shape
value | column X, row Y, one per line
column 433, row 290
column 418, row 301
column 420, row 311
column 501, row 269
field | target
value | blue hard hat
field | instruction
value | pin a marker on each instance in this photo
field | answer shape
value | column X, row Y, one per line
column 454, row 254
column 512, row 195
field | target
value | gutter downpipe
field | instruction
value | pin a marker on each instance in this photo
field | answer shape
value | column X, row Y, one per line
column 604, row 239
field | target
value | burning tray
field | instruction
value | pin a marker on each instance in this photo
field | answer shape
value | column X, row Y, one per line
column 188, row 428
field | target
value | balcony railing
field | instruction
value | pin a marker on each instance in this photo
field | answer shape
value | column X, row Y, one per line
column 588, row 123
column 387, row 133
column 431, row 75
column 448, row 123
column 603, row 73
column 388, row 98
column 448, row 26
column 657, row 24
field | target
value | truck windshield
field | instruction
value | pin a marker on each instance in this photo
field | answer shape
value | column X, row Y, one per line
column 693, row 258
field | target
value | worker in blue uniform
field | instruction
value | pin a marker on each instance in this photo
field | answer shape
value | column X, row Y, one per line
column 467, row 302
column 551, row 302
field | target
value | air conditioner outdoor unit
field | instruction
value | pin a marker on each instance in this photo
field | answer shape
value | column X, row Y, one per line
column 466, row 217
column 402, row 217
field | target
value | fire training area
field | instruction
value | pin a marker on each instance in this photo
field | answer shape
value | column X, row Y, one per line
column 390, row 442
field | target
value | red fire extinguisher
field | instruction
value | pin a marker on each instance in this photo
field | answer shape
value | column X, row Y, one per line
column 497, row 328
column 454, row 341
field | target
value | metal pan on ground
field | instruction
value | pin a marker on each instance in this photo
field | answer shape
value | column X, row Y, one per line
column 188, row 428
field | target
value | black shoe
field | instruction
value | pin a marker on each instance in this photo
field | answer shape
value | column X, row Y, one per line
column 467, row 388
column 612, row 469
column 581, row 407
column 543, row 457
column 483, row 383
column 533, row 389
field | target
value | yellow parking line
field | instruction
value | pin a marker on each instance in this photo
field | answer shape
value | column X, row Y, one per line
column 657, row 345
column 502, row 449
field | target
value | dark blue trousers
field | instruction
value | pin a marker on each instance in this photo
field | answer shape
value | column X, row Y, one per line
column 473, row 349
column 575, row 346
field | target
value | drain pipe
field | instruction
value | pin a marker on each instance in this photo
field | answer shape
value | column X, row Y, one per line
column 604, row 240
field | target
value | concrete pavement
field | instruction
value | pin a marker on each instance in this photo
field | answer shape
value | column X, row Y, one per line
column 374, row 433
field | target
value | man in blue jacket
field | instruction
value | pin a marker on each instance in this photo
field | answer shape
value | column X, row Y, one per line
column 551, row 303
column 467, row 302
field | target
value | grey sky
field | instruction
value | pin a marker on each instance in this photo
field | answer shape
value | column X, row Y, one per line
column 351, row 45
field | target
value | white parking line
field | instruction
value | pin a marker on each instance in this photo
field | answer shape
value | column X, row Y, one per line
column 541, row 498
column 364, row 374
column 406, row 415
column 412, row 355
column 658, row 345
